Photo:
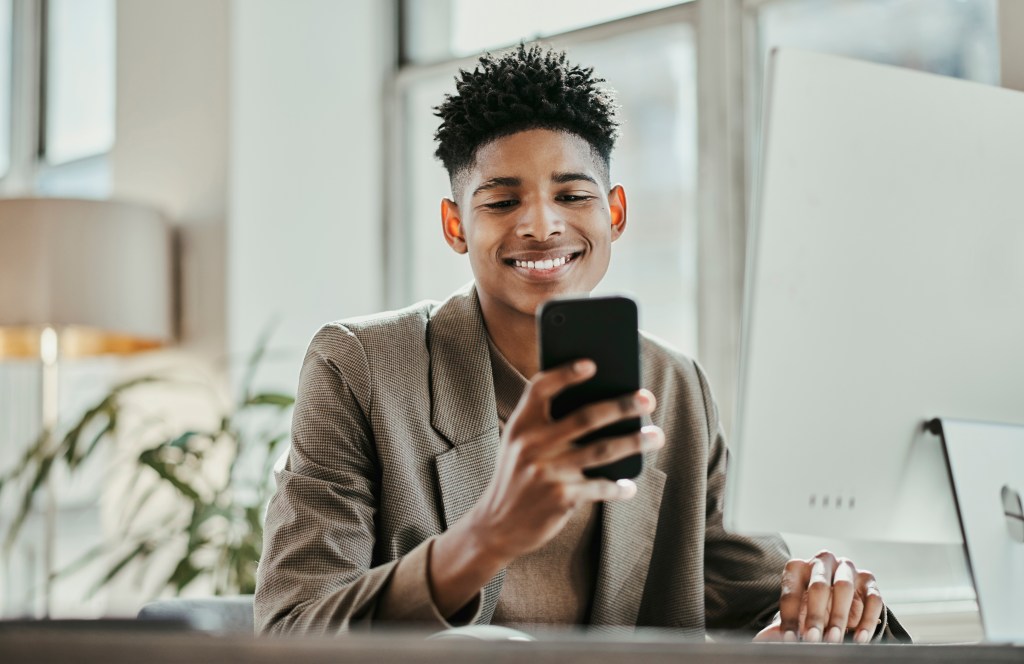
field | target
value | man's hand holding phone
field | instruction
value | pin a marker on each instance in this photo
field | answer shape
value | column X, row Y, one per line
column 538, row 481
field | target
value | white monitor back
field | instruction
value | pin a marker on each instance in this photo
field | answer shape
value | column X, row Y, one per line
column 885, row 286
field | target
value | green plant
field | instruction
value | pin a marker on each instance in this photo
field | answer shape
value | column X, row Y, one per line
column 215, row 482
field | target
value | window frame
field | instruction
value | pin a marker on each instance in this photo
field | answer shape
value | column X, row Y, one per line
column 398, row 276
column 30, row 173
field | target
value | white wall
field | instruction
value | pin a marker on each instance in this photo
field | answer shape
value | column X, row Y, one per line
column 305, row 226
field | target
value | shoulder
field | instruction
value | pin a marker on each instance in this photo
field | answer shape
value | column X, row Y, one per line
column 674, row 377
column 376, row 331
column 389, row 342
column 664, row 362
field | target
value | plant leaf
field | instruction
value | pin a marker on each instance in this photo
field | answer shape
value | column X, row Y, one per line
column 166, row 472
column 271, row 399
column 140, row 550
column 184, row 573
column 181, row 441
column 36, row 449
column 130, row 519
column 108, row 429
column 70, row 441
column 42, row 472
column 82, row 560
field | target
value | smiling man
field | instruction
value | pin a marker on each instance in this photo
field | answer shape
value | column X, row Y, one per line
column 427, row 482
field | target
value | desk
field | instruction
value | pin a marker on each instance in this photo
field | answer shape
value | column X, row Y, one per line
column 115, row 647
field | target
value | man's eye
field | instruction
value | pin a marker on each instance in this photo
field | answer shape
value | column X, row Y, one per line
column 498, row 205
column 573, row 198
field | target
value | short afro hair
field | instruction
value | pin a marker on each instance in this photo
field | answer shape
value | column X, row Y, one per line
column 525, row 88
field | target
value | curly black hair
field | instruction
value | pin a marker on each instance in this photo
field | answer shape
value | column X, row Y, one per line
column 525, row 88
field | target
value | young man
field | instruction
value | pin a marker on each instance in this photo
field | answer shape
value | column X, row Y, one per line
column 427, row 482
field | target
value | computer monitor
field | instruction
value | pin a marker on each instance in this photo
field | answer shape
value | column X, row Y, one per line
column 885, row 287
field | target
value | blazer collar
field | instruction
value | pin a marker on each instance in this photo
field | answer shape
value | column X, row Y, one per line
column 461, row 386
column 465, row 413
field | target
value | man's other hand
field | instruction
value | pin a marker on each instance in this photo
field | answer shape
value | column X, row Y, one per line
column 824, row 598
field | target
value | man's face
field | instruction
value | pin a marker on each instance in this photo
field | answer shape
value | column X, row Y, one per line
column 535, row 219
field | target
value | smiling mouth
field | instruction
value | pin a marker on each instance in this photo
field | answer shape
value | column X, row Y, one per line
column 543, row 265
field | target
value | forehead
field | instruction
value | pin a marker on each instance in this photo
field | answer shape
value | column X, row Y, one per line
column 533, row 154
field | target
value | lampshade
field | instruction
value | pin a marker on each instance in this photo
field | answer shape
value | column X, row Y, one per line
column 99, row 272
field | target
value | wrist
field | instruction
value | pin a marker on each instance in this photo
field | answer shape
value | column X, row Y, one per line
column 483, row 543
column 461, row 563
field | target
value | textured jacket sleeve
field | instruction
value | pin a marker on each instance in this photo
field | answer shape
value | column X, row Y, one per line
column 742, row 575
column 315, row 575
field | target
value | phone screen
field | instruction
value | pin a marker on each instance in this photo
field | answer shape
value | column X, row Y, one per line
column 602, row 329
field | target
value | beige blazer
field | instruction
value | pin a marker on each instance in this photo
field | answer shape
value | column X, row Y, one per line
column 394, row 438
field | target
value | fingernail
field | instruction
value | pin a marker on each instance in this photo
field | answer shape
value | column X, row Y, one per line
column 813, row 635
column 652, row 441
column 789, row 637
column 862, row 636
column 626, row 487
column 835, row 635
column 583, row 366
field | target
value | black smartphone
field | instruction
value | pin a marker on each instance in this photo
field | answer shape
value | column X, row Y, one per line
column 602, row 329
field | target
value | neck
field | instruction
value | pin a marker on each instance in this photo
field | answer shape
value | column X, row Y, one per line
column 515, row 335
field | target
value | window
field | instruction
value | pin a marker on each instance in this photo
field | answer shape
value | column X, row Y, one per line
column 57, row 97
column 651, row 63
column 6, row 51
column 950, row 37
column 79, row 79
column 446, row 28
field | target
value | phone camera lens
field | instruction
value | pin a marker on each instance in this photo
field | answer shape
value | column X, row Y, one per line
column 557, row 319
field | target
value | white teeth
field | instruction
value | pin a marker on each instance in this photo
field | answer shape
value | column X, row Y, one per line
column 545, row 264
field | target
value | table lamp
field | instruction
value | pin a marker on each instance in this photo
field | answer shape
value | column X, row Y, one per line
column 79, row 278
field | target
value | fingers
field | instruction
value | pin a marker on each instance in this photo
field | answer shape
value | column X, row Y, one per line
column 833, row 596
column 772, row 632
column 606, row 451
column 598, row 415
column 819, row 591
column 856, row 612
column 794, row 584
column 843, row 592
column 597, row 490
column 532, row 422
column 546, row 384
column 867, row 589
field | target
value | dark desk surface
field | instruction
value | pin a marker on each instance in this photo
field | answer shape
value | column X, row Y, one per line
column 115, row 647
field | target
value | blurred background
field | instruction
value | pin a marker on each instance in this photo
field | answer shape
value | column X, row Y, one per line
column 287, row 145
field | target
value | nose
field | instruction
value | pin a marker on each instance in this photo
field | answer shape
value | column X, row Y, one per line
column 539, row 222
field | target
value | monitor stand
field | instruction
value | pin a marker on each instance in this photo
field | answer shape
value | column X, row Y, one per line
column 986, row 469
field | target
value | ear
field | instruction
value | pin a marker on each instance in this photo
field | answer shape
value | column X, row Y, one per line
column 617, row 206
column 451, row 226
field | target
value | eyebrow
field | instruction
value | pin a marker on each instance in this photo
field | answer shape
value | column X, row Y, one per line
column 558, row 178
column 562, row 178
column 494, row 183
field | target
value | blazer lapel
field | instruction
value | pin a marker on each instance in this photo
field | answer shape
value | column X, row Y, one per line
column 627, row 539
column 463, row 410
